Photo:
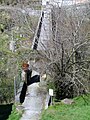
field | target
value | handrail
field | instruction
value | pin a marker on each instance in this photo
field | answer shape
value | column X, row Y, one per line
column 17, row 83
column 38, row 30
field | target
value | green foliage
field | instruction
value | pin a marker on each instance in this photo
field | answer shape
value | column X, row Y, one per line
column 15, row 115
column 19, row 28
column 6, row 21
column 80, row 110
column 6, row 91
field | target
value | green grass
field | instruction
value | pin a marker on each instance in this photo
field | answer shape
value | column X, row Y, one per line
column 80, row 110
column 15, row 115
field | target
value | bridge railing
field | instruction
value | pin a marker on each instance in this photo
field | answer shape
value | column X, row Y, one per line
column 17, row 84
column 38, row 31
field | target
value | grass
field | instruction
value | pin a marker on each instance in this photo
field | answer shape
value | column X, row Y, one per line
column 79, row 110
column 15, row 115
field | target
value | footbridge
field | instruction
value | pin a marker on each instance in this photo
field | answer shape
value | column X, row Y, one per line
column 42, row 34
column 38, row 97
column 40, row 40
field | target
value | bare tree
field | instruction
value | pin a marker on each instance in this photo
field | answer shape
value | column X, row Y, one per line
column 67, row 57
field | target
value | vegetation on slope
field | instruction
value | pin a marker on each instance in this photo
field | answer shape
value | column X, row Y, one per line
column 15, row 114
column 19, row 29
column 79, row 110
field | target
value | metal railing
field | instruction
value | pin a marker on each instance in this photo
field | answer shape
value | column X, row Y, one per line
column 38, row 31
column 17, row 84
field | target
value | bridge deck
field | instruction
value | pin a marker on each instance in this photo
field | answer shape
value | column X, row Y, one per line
column 45, row 30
